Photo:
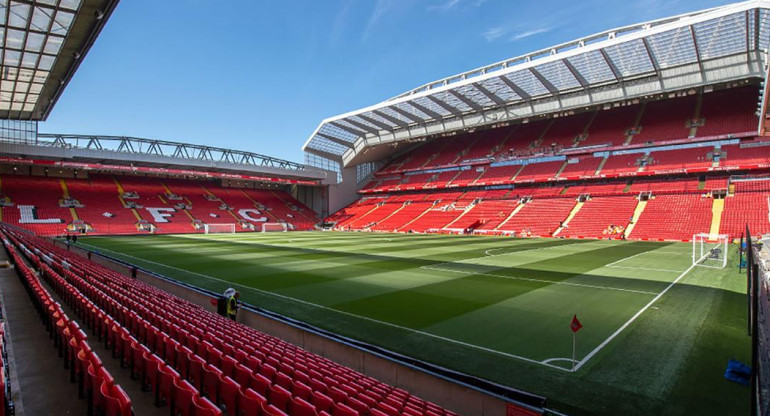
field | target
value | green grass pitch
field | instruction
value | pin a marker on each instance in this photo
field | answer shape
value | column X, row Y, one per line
column 657, row 332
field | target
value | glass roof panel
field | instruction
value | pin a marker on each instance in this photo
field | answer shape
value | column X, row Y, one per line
column 411, row 110
column 499, row 88
column 69, row 4
column 558, row 75
column 452, row 101
column 527, row 81
column 332, row 130
column 326, row 145
column 359, row 120
column 392, row 113
column 472, row 93
column 18, row 15
column 29, row 60
column 14, row 39
column 630, row 58
column 723, row 36
column 62, row 22
column 34, row 42
column 430, row 105
column 53, row 45
column 592, row 67
column 41, row 19
column 764, row 36
column 673, row 47
column 379, row 118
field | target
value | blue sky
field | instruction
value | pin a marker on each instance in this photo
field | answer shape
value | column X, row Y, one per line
column 260, row 75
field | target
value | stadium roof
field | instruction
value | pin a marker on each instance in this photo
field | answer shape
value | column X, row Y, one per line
column 702, row 48
column 42, row 43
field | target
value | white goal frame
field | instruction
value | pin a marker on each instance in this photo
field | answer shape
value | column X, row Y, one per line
column 219, row 228
column 707, row 252
column 282, row 225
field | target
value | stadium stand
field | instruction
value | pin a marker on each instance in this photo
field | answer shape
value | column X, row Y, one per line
column 171, row 205
column 692, row 213
column 194, row 362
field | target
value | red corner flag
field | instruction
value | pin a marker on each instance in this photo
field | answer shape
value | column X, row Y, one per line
column 575, row 325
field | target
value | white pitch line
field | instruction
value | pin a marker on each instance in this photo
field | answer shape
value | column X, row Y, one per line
column 428, row 334
column 645, row 268
column 550, row 360
column 555, row 282
column 630, row 321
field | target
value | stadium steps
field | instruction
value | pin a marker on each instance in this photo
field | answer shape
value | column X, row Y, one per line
column 454, row 177
column 717, row 208
column 696, row 114
column 637, row 213
column 702, row 184
column 571, row 215
column 121, row 191
column 417, row 217
column 731, row 189
column 404, row 205
column 376, row 206
column 601, row 165
column 628, row 186
column 66, row 194
column 232, row 214
column 478, row 177
column 467, row 209
column 561, row 169
column 518, row 172
column 518, row 208
column 638, row 120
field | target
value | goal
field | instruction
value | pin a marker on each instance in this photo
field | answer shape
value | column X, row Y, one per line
column 710, row 252
column 219, row 228
column 271, row 227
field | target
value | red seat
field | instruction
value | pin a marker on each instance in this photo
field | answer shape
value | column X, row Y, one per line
column 301, row 390
column 250, row 403
column 259, row 383
column 203, row 407
column 116, row 401
column 340, row 409
column 300, row 407
column 229, row 390
column 279, row 397
column 270, row 410
column 210, row 384
column 321, row 401
column 166, row 380
column 182, row 397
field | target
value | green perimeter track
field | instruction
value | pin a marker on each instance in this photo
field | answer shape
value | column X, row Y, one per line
column 657, row 333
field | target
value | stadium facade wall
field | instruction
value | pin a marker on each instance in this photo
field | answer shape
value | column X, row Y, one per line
column 448, row 394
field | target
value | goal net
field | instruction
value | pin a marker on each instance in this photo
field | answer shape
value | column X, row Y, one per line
column 271, row 227
column 708, row 252
column 219, row 228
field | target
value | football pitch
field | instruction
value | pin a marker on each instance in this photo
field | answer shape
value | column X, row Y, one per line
column 656, row 336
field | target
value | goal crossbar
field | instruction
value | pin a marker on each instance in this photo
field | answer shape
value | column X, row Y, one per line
column 710, row 251
column 219, row 228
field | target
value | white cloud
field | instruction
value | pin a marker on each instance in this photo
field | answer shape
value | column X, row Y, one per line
column 493, row 33
column 453, row 4
column 528, row 33
column 380, row 8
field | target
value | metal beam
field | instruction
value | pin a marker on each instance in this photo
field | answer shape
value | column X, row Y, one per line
column 489, row 94
column 615, row 71
column 362, row 126
column 697, row 51
column 376, row 122
column 436, row 116
column 515, row 88
column 393, row 120
column 652, row 56
column 408, row 115
column 470, row 103
column 547, row 84
column 575, row 73
column 446, row 106
column 350, row 130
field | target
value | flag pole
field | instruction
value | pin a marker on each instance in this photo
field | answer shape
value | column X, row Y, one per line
column 574, row 336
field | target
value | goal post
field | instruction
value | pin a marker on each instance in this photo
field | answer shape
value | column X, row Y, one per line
column 710, row 252
column 272, row 227
column 219, row 228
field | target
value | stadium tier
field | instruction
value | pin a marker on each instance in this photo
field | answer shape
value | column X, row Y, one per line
column 583, row 176
column 130, row 205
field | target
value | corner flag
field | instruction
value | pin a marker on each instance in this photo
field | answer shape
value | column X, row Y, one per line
column 575, row 325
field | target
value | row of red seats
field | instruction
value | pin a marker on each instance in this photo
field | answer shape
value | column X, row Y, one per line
column 96, row 384
column 232, row 365
column 667, row 119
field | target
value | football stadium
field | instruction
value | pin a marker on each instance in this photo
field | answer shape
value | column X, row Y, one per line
column 579, row 230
